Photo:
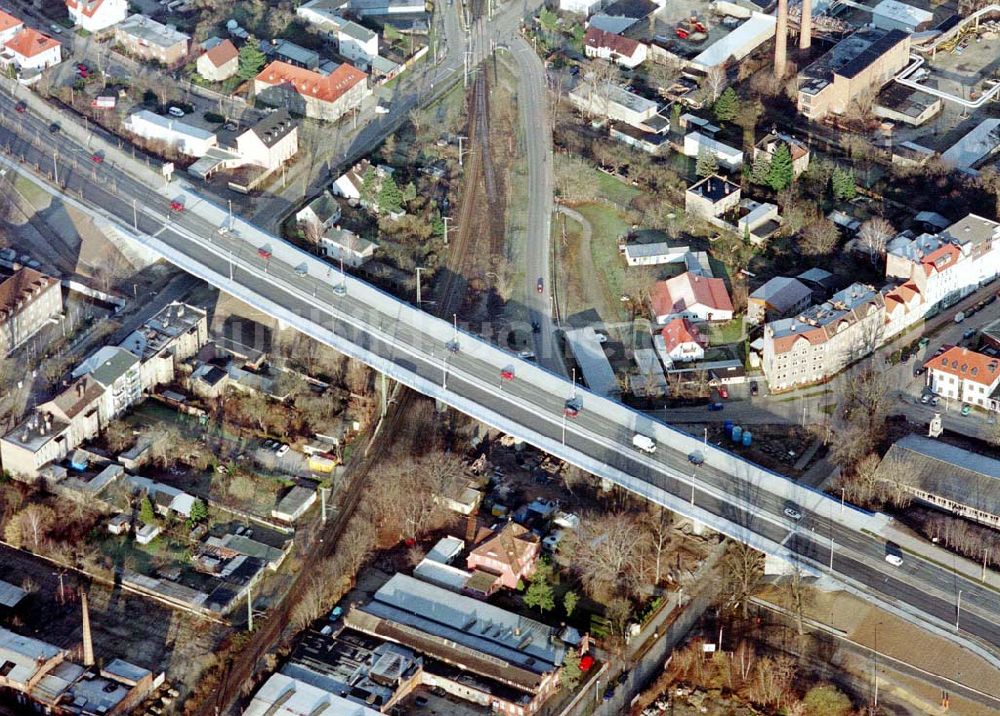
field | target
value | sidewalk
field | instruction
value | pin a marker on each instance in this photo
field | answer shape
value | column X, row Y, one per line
column 942, row 556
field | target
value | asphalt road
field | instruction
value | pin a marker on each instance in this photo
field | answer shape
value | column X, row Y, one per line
column 918, row 585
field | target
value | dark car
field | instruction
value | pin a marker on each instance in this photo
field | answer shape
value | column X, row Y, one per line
column 21, row 107
column 540, row 286
column 420, row 701
column 536, row 327
column 53, row 128
column 754, row 388
column 623, row 678
column 609, row 693
column 919, row 371
column 715, row 407
column 572, row 407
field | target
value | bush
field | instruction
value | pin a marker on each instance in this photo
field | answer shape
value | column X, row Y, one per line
column 214, row 117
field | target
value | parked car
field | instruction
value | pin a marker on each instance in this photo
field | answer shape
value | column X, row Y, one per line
column 723, row 393
column 919, row 371
column 754, row 388
column 925, row 399
column 609, row 693
column 282, row 450
column 270, row 444
column 715, row 407
column 968, row 334
column 176, row 111
column 966, row 409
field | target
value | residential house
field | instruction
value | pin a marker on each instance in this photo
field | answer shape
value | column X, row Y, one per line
column 856, row 66
column 646, row 141
column 945, row 477
column 682, row 342
column 294, row 504
column 610, row 46
column 311, row 94
column 904, row 306
column 357, row 43
column 220, row 62
column 350, row 183
column 779, row 297
column 730, row 158
column 164, row 498
column 31, row 50
column 96, row 15
column 824, row 339
column 770, row 142
column 257, row 151
column 28, row 300
column 318, row 215
column 324, row 14
column 337, row 244
column 180, row 136
column 711, row 197
column 509, row 554
column 174, row 334
column 145, row 38
column 964, row 375
column 9, row 26
column 479, row 639
column 756, row 221
column 691, row 296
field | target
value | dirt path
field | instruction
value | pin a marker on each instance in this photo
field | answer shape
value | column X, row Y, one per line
column 589, row 290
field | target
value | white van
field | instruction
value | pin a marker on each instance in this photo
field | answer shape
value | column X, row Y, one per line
column 643, row 443
column 176, row 111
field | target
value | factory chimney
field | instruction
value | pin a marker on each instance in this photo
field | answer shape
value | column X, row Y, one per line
column 781, row 40
column 806, row 26
column 88, row 644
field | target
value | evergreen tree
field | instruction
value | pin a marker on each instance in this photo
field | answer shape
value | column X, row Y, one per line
column 437, row 225
column 675, row 118
column 727, row 106
column 409, row 192
column 706, row 164
column 251, row 59
column 781, row 172
column 761, row 169
column 146, row 512
column 390, row 198
column 369, row 186
column 571, row 673
column 570, row 600
column 843, row 184
column 540, row 595
column 199, row 511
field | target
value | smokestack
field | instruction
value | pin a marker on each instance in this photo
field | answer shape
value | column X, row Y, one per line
column 88, row 644
column 806, row 25
column 781, row 40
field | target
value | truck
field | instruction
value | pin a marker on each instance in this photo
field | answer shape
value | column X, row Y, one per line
column 960, row 316
column 729, row 9
column 646, row 444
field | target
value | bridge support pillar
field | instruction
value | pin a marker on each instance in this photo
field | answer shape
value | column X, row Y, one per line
column 440, row 406
column 383, row 394
column 776, row 566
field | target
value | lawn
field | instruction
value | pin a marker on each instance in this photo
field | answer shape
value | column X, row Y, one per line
column 607, row 225
column 31, row 191
column 614, row 189
column 724, row 333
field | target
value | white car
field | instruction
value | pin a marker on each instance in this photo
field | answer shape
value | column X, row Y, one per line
column 379, row 109
column 176, row 111
column 281, row 451
column 894, row 559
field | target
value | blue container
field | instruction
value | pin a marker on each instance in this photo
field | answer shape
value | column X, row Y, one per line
column 747, row 438
column 728, row 427
column 737, row 433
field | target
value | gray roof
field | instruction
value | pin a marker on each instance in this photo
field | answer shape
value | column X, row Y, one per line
column 840, row 305
column 972, row 229
column 468, row 623
column 10, row 594
column 25, row 654
column 783, row 293
column 125, row 670
column 941, row 469
column 274, row 127
column 114, row 367
column 357, row 32
column 590, row 356
column 818, row 275
column 153, row 32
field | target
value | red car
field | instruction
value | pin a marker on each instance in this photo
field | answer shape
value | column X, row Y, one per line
column 723, row 393
column 97, row 158
column 572, row 407
column 21, row 107
column 177, row 205
column 507, row 374
column 264, row 252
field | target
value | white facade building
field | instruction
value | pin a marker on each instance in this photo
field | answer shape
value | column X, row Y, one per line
column 729, row 157
column 31, row 50
column 358, row 44
column 966, row 376
column 96, row 15
column 185, row 138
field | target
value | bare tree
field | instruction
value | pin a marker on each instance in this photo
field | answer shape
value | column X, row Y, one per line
column 715, row 82
column 606, row 550
column 657, row 522
column 874, row 235
column 358, row 377
column 744, row 567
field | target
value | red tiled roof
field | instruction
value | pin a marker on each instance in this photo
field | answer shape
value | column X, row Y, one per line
column 222, row 53
column 941, row 258
column 966, row 365
column 902, row 295
column 30, row 42
column 680, row 293
column 680, row 331
column 619, row 44
column 88, row 8
column 8, row 21
column 22, row 288
column 327, row 88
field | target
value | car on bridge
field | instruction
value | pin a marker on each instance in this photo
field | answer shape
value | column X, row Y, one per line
column 265, row 252
column 572, row 407
column 21, row 107
column 177, row 206
column 696, row 458
column 97, row 158
column 507, row 374
column 792, row 512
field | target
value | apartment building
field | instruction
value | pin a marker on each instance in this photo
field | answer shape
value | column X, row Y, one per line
column 824, row 339
column 311, row 94
column 779, row 297
column 170, row 337
column 858, row 65
column 145, row 38
column 966, row 376
column 28, row 300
